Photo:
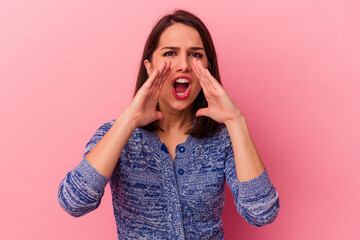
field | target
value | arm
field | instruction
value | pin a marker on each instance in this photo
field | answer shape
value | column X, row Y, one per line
column 255, row 197
column 83, row 187
column 257, row 200
column 223, row 110
column 247, row 160
column 140, row 112
column 81, row 190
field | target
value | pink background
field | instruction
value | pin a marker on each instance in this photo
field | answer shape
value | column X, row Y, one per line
column 292, row 67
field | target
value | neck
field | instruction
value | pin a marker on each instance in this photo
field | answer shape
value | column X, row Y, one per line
column 179, row 121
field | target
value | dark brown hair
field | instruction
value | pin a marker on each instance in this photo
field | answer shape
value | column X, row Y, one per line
column 204, row 126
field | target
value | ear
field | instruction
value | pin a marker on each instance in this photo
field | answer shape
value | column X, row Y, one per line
column 148, row 67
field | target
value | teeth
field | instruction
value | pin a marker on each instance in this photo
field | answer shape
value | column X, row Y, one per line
column 182, row 80
column 180, row 94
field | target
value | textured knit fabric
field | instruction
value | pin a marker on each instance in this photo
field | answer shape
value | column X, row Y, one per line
column 154, row 198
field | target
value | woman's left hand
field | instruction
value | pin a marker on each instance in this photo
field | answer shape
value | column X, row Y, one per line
column 220, row 107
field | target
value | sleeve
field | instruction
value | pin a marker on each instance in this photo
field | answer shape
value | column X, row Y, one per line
column 256, row 200
column 83, row 187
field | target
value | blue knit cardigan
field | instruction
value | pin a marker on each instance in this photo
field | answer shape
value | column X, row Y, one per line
column 154, row 198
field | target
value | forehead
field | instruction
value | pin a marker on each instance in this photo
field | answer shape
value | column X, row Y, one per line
column 180, row 35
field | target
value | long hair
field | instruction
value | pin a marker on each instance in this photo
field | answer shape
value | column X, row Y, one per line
column 203, row 126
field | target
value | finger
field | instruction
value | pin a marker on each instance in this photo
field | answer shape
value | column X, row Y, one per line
column 203, row 72
column 164, row 68
column 160, row 69
column 213, row 82
column 195, row 67
column 165, row 76
column 166, row 71
column 200, row 68
column 209, row 80
column 202, row 77
column 159, row 116
column 161, row 78
column 150, row 81
column 203, row 112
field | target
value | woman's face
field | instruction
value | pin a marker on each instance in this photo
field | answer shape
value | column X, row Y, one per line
column 179, row 44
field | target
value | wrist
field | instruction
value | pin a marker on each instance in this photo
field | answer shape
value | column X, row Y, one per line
column 238, row 126
column 127, row 119
column 236, row 120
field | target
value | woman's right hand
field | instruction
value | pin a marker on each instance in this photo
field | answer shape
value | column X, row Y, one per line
column 142, row 109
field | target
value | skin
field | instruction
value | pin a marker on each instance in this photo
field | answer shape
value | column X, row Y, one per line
column 184, row 38
column 175, row 115
column 222, row 109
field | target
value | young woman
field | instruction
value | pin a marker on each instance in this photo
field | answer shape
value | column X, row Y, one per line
column 168, row 154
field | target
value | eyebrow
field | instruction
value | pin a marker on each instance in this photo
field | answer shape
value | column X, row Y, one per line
column 177, row 48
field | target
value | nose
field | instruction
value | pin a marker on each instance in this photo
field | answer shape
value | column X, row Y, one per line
column 183, row 64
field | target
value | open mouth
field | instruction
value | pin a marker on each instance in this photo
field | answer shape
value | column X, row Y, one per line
column 181, row 88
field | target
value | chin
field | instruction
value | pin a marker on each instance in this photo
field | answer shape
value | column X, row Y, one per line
column 178, row 105
column 181, row 106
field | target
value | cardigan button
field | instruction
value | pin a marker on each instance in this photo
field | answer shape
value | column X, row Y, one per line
column 181, row 171
column 182, row 149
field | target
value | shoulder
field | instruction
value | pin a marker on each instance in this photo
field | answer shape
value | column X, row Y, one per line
column 139, row 134
column 142, row 140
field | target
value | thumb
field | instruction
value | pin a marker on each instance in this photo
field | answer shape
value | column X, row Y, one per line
column 203, row 112
column 159, row 115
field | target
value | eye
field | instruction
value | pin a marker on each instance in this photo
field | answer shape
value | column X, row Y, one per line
column 197, row 55
column 170, row 53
